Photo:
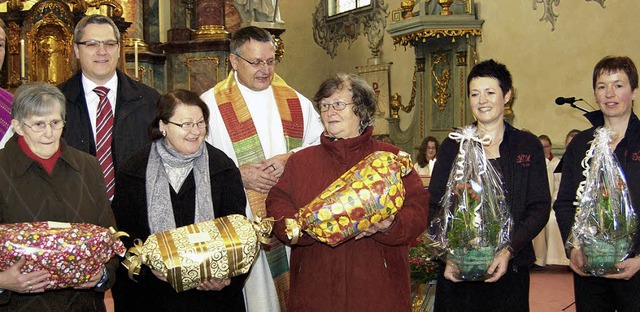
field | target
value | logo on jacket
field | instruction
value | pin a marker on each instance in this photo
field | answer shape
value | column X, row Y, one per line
column 524, row 160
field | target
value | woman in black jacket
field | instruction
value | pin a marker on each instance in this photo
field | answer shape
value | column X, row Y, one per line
column 615, row 85
column 177, row 180
column 519, row 157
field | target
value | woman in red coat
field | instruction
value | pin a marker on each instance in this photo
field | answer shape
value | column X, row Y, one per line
column 370, row 272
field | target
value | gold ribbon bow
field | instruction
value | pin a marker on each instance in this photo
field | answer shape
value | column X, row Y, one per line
column 117, row 234
column 294, row 231
column 133, row 259
column 263, row 228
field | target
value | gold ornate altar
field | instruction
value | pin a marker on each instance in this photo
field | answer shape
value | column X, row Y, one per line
column 40, row 37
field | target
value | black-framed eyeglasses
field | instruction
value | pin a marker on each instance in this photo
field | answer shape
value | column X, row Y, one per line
column 259, row 63
column 41, row 125
column 188, row 126
column 95, row 44
column 337, row 106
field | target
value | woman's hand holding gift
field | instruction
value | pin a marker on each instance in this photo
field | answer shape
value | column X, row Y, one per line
column 577, row 261
column 499, row 265
column 95, row 278
column 451, row 271
column 159, row 275
column 34, row 282
column 377, row 227
column 629, row 266
column 214, row 284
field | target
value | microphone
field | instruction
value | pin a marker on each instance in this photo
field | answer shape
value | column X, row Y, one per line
column 563, row 100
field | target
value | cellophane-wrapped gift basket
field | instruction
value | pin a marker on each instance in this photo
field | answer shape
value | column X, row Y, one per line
column 73, row 253
column 369, row 192
column 474, row 221
column 605, row 221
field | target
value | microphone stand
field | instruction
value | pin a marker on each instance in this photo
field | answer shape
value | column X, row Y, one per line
column 578, row 107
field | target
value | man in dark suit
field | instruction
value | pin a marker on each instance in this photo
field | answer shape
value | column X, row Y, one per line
column 132, row 103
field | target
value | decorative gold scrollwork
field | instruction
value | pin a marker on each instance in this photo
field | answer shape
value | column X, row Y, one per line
column 442, row 79
column 421, row 36
column 395, row 104
column 115, row 6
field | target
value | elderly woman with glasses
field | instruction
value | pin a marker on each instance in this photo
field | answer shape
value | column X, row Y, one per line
column 44, row 179
column 176, row 180
column 370, row 272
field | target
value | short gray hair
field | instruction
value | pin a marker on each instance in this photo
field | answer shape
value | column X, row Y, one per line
column 363, row 95
column 37, row 99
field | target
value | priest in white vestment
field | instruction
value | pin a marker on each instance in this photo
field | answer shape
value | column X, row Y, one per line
column 256, row 119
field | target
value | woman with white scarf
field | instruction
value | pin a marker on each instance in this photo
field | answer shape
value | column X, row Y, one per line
column 175, row 181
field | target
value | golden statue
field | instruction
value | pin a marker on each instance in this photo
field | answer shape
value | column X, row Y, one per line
column 50, row 56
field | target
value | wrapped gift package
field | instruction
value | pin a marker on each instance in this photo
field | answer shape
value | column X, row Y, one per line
column 369, row 192
column 188, row 255
column 71, row 252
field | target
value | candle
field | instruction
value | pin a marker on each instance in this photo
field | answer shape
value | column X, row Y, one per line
column 135, row 57
column 22, row 60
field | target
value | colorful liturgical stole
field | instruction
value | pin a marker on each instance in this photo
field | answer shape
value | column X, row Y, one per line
column 248, row 149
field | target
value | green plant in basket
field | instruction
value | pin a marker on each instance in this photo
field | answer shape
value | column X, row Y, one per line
column 605, row 221
column 611, row 229
column 474, row 230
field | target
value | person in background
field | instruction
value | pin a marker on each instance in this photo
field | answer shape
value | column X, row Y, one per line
column 615, row 86
column 426, row 158
column 44, row 179
column 6, row 132
column 176, row 180
column 558, row 172
column 570, row 135
column 258, row 121
column 107, row 112
column 548, row 244
column 518, row 156
column 370, row 272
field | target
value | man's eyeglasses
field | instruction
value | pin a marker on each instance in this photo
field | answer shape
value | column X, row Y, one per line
column 95, row 44
column 259, row 63
column 41, row 125
column 187, row 126
column 337, row 106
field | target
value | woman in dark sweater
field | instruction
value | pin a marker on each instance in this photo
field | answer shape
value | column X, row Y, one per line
column 519, row 157
column 175, row 181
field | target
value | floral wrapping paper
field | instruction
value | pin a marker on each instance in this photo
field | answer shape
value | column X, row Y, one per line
column 605, row 221
column 220, row 248
column 369, row 192
column 71, row 252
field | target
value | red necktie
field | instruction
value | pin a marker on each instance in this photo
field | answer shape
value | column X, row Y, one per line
column 104, row 127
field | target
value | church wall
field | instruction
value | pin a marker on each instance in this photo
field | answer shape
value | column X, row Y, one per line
column 545, row 64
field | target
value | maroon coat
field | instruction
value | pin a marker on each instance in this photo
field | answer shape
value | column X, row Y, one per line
column 370, row 274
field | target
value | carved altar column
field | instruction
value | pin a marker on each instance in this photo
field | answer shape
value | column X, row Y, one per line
column 198, row 60
column 133, row 13
column 445, row 50
column 210, row 19
column 141, row 62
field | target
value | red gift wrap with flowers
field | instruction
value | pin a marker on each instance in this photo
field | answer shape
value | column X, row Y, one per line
column 369, row 192
column 71, row 252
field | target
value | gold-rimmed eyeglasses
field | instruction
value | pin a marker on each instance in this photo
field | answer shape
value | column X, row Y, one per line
column 41, row 125
column 336, row 105
column 188, row 126
column 259, row 63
